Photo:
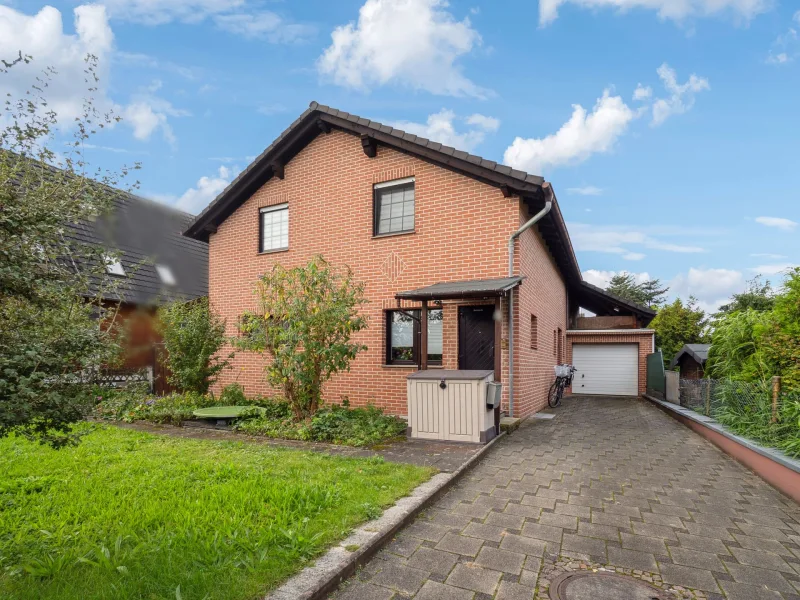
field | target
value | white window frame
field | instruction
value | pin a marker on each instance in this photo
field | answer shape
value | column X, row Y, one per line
column 379, row 187
column 262, row 237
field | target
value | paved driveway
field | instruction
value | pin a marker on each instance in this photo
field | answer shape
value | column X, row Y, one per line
column 607, row 482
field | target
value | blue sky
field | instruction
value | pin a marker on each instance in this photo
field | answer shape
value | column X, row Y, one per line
column 669, row 129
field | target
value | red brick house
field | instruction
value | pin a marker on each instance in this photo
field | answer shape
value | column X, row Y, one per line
column 428, row 229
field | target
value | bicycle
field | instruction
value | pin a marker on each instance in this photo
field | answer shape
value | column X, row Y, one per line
column 564, row 375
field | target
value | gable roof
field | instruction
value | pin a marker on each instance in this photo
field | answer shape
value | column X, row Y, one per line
column 145, row 234
column 699, row 352
column 319, row 119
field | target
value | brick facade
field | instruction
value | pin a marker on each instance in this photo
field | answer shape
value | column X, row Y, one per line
column 461, row 232
column 642, row 337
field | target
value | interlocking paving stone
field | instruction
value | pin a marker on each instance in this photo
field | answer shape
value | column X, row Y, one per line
column 695, row 558
column 542, row 532
column 741, row 591
column 473, row 577
column 460, row 544
column 524, row 545
column 357, row 590
column 660, row 498
column 689, row 577
column 765, row 560
column 513, row 591
column 773, row 580
column 400, row 577
column 435, row 561
column 438, row 591
column 501, row 560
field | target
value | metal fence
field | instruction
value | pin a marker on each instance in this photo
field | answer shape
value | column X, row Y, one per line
column 726, row 400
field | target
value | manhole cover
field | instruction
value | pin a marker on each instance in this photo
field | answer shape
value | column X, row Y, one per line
column 588, row 585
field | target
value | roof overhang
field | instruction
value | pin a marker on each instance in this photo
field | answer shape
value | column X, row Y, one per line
column 601, row 302
column 460, row 290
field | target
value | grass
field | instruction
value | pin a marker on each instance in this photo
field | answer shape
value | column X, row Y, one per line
column 128, row 515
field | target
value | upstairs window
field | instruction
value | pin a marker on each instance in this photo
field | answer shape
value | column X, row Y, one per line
column 403, row 337
column 114, row 266
column 166, row 275
column 394, row 206
column 274, row 228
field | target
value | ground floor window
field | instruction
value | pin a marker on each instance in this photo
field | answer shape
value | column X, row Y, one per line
column 403, row 337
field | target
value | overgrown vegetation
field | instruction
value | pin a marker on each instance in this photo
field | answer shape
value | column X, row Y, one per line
column 193, row 338
column 274, row 417
column 678, row 324
column 51, row 282
column 304, row 324
column 127, row 515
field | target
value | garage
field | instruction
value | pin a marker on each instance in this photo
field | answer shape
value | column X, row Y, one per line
column 606, row 369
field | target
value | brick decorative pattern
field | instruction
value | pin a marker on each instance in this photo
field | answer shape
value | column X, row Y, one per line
column 643, row 338
column 462, row 231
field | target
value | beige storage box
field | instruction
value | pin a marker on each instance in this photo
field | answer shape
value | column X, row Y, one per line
column 451, row 405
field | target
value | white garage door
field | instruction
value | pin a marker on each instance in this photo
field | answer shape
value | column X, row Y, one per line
column 606, row 369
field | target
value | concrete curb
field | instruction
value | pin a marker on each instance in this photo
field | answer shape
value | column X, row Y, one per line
column 337, row 564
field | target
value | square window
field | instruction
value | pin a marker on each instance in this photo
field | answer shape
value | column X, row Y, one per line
column 274, row 228
column 394, row 207
column 166, row 274
column 403, row 337
column 114, row 266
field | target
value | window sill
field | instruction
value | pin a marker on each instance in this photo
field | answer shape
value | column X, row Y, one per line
column 400, row 366
column 394, row 234
column 273, row 251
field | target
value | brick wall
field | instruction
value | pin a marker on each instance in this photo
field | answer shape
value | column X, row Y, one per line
column 461, row 232
column 644, row 338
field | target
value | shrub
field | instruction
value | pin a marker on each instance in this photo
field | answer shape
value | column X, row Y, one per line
column 130, row 406
column 333, row 424
column 193, row 337
column 233, row 395
column 304, row 323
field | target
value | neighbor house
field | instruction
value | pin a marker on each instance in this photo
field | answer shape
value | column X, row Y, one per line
column 435, row 232
column 691, row 361
column 153, row 263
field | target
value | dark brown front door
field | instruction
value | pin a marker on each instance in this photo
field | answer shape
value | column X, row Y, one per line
column 476, row 337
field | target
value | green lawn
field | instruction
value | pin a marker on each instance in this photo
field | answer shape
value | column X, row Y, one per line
column 130, row 515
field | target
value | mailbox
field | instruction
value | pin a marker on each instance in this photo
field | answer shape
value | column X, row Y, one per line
column 494, row 391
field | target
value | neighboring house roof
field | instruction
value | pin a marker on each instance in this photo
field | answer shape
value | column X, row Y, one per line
column 478, row 288
column 699, row 352
column 147, row 235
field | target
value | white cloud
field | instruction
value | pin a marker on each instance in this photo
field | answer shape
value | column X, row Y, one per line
column 773, row 269
column 205, row 190
column 602, row 278
column 768, row 255
column 786, row 47
column 675, row 10
column 412, row 43
column 642, row 93
column 621, row 239
column 160, row 12
column 440, row 127
column 138, row 59
column 587, row 190
column 681, row 96
column 580, row 137
column 634, row 256
column 777, row 222
column 147, row 114
column 264, row 25
column 42, row 37
column 711, row 287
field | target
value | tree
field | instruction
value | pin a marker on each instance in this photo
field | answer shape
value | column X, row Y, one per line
column 737, row 351
column 758, row 296
column 54, row 330
column 678, row 324
column 645, row 293
column 305, row 320
column 193, row 337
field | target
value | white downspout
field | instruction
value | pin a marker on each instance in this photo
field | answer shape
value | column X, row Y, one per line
column 548, row 189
